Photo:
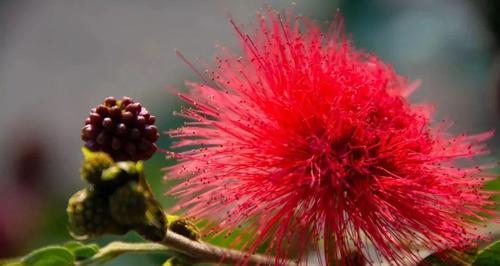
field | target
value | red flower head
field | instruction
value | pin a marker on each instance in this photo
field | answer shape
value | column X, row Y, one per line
column 313, row 144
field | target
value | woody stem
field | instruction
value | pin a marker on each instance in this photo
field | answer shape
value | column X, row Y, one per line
column 196, row 252
column 205, row 252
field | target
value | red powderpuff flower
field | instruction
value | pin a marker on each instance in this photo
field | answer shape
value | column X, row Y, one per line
column 312, row 144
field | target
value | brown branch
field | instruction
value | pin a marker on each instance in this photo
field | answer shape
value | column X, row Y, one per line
column 196, row 252
column 205, row 252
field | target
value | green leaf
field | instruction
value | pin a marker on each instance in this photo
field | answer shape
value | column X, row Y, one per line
column 432, row 260
column 82, row 251
column 489, row 256
column 71, row 245
column 49, row 256
column 86, row 251
column 14, row 264
column 449, row 257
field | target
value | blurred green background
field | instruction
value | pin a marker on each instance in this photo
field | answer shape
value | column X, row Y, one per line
column 59, row 58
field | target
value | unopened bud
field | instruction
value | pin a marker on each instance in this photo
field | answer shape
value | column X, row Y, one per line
column 89, row 215
column 122, row 128
column 99, row 169
column 133, row 204
column 128, row 204
column 183, row 226
column 154, row 226
column 93, row 165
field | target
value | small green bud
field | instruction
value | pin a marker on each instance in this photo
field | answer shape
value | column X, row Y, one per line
column 128, row 204
column 94, row 164
column 100, row 170
column 154, row 226
column 133, row 204
column 89, row 215
column 183, row 227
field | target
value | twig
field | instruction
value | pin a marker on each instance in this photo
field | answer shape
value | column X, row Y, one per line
column 115, row 249
column 205, row 252
column 197, row 252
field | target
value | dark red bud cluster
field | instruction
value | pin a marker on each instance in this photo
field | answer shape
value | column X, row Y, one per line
column 121, row 128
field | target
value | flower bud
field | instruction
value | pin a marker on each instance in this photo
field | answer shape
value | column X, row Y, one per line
column 99, row 169
column 89, row 215
column 128, row 204
column 133, row 204
column 183, row 227
column 155, row 224
column 93, row 165
column 122, row 128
